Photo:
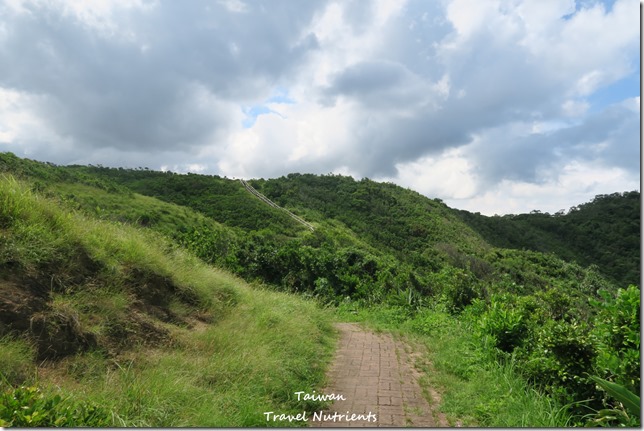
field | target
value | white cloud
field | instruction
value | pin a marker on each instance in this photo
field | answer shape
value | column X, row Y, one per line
column 632, row 104
column 107, row 18
column 302, row 138
column 448, row 176
column 574, row 108
column 21, row 128
column 469, row 101
column 342, row 42
column 16, row 117
column 573, row 186
column 236, row 6
column 468, row 17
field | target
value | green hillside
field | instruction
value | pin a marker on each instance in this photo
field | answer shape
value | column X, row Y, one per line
column 106, row 324
column 549, row 294
column 604, row 232
column 223, row 200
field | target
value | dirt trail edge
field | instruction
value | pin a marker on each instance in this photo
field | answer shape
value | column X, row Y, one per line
column 376, row 376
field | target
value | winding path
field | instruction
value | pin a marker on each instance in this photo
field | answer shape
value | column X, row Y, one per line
column 376, row 376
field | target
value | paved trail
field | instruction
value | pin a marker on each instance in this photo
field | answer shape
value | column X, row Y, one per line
column 376, row 375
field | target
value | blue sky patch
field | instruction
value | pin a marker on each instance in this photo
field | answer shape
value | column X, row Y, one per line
column 585, row 4
column 279, row 95
column 616, row 92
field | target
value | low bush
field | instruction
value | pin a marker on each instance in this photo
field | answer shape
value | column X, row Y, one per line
column 506, row 324
column 28, row 406
column 617, row 330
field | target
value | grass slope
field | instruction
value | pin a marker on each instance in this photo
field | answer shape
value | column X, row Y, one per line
column 118, row 316
column 224, row 200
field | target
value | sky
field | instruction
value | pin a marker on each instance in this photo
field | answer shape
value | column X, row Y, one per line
column 493, row 106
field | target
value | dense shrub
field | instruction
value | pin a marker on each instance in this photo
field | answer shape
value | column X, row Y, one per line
column 617, row 330
column 560, row 360
column 456, row 287
column 505, row 323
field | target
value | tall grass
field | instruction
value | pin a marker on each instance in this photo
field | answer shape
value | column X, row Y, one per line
column 42, row 234
column 221, row 375
column 239, row 352
column 15, row 361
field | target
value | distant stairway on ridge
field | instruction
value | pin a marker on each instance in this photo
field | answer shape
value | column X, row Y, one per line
column 274, row 205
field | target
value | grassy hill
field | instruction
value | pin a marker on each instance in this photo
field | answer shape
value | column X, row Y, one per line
column 129, row 329
column 138, row 267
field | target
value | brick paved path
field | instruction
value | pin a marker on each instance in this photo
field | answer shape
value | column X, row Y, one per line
column 375, row 375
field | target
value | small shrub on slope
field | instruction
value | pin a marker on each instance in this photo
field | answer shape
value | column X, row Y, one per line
column 27, row 406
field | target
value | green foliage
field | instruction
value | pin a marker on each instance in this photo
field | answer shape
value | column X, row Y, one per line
column 617, row 329
column 27, row 406
column 504, row 323
column 620, row 393
column 616, row 415
column 459, row 288
column 147, row 303
column 568, row 355
column 223, row 200
column 556, row 343
column 213, row 244
column 604, row 232
column 431, row 322
column 412, row 221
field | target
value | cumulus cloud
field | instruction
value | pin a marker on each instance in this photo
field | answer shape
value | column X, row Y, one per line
column 455, row 99
column 157, row 77
column 379, row 85
column 444, row 77
column 573, row 185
